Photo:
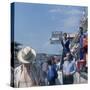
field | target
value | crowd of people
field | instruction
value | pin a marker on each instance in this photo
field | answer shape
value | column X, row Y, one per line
column 28, row 74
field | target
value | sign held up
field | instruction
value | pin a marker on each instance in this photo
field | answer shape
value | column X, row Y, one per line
column 56, row 37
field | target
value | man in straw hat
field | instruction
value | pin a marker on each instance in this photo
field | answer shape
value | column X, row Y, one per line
column 27, row 74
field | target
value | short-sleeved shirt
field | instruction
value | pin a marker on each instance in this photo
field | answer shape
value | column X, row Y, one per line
column 69, row 67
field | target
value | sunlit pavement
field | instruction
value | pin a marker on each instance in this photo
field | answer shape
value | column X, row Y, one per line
column 78, row 78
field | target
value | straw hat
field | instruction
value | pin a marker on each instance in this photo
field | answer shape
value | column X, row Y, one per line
column 26, row 55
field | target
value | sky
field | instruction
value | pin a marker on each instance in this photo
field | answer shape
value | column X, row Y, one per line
column 34, row 24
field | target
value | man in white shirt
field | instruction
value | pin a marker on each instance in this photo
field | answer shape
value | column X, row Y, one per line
column 69, row 68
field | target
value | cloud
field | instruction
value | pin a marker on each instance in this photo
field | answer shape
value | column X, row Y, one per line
column 66, row 17
column 74, row 12
column 66, row 10
column 70, row 14
column 55, row 10
column 71, row 22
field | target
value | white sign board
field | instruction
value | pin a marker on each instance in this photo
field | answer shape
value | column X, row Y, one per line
column 56, row 37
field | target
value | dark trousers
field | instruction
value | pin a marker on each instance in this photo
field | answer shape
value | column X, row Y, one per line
column 52, row 82
column 62, row 59
column 81, row 54
column 68, row 79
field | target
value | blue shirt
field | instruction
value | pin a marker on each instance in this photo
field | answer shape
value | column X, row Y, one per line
column 69, row 67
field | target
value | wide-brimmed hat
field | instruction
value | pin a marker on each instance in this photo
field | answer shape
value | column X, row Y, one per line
column 26, row 55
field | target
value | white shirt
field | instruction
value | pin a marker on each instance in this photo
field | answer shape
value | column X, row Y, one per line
column 22, row 79
column 69, row 67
